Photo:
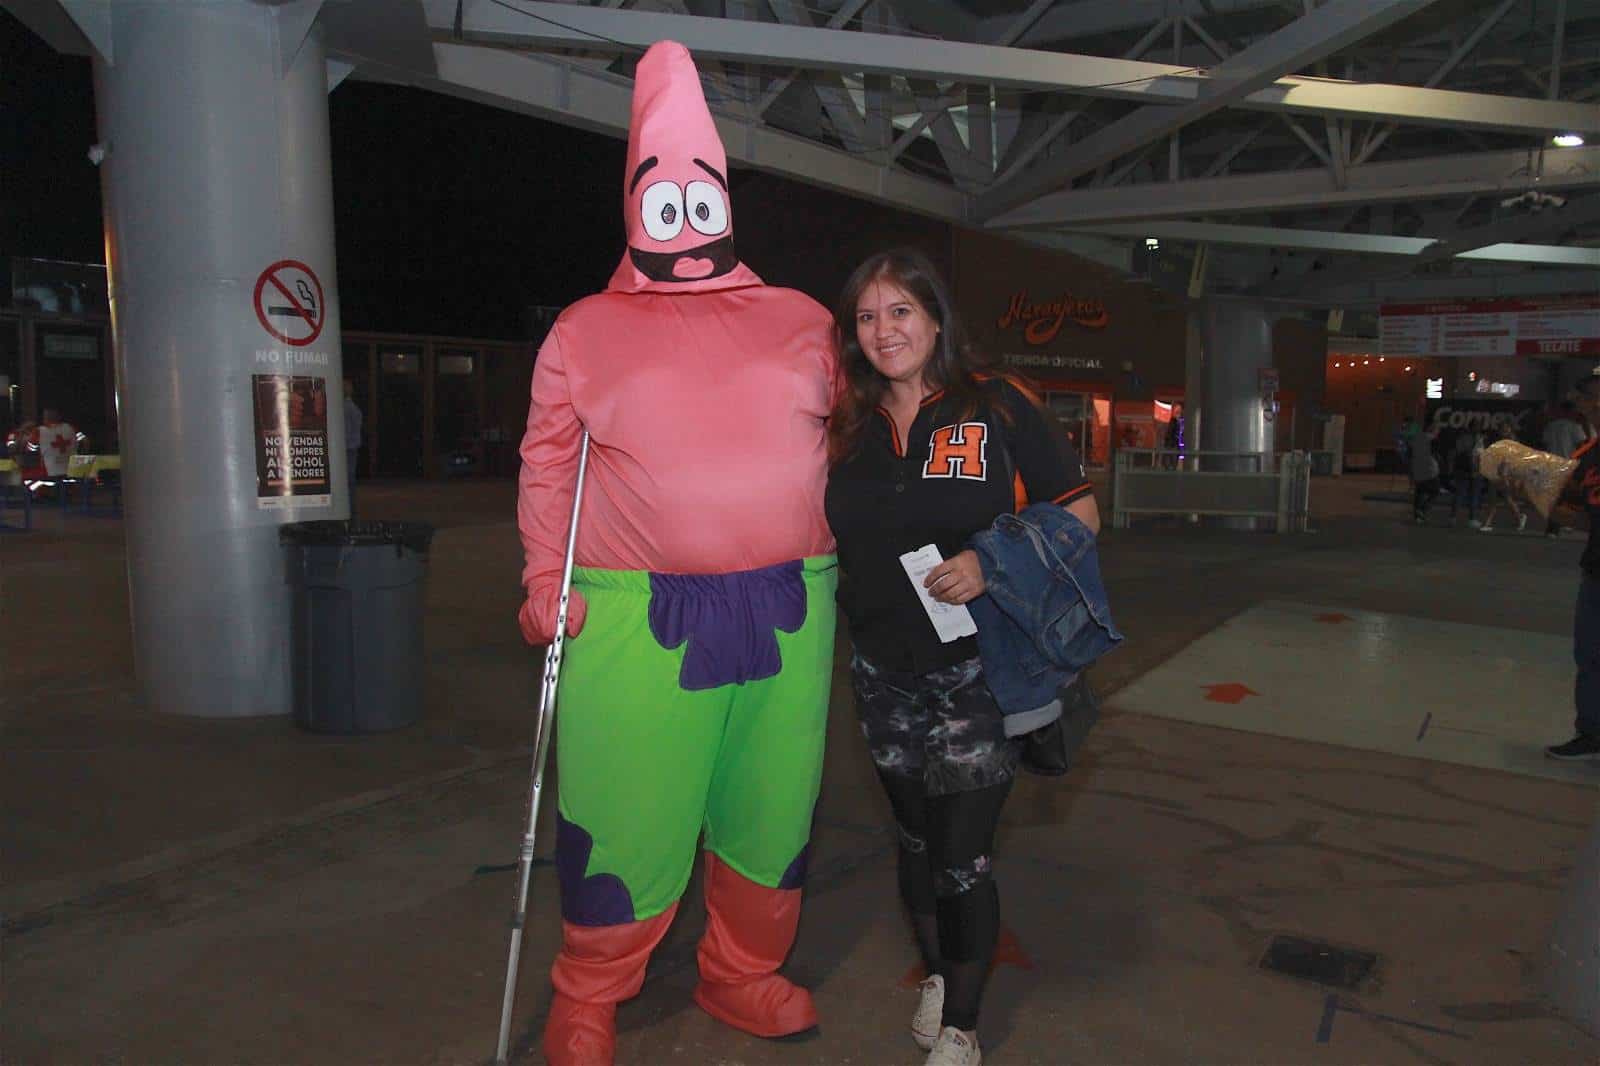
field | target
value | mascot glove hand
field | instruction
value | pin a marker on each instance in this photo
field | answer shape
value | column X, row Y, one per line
column 538, row 615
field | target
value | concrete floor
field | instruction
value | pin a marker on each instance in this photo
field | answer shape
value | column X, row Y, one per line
column 202, row 891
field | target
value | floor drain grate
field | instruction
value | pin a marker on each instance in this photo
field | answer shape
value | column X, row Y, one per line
column 1313, row 960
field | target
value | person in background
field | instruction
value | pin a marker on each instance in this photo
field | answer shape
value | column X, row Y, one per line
column 1173, row 440
column 55, row 441
column 22, row 446
column 1466, row 486
column 353, row 422
column 926, row 451
column 1424, row 473
column 1402, row 442
column 1563, row 435
column 1583, row 509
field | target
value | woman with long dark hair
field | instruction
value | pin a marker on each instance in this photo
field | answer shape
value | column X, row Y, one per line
column 926, row 449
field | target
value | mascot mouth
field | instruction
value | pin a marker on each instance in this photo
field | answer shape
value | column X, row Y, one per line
column 710, row 260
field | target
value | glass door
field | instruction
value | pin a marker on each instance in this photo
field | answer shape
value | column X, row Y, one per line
column 400, row 410
column 455, row 411
column 11, row 411
column 70, row 375
column 1071, row 410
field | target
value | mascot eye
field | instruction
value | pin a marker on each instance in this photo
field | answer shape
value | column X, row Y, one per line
column 708, row 211
column 661, row 211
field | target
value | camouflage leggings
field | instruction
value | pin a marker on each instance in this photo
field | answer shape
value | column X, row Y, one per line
column 942, row 727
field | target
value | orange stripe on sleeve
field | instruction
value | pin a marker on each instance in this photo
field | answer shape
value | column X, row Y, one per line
column 1072, row 494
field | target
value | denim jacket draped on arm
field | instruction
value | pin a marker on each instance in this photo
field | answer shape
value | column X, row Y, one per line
column 1044, row 616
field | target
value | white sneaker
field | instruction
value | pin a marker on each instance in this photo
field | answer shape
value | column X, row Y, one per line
column 1522, row 522
column 930, row 1012
column 954, row 1049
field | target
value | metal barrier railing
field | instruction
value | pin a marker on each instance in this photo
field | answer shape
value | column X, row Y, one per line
column 1162, row 481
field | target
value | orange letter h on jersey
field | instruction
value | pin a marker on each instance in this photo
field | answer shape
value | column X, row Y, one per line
column 957, row 451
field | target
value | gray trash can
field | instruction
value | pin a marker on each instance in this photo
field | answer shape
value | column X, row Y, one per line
column 356, row 604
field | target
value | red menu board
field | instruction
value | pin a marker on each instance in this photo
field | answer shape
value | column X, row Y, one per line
column 1554, row 327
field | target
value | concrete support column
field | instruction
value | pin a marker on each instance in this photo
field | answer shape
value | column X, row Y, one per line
column 1237, row 335
column 219, row 240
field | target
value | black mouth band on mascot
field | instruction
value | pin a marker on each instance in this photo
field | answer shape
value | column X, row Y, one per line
column 658, row 266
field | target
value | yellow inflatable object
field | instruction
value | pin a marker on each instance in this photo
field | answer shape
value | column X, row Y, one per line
column 1527, row 473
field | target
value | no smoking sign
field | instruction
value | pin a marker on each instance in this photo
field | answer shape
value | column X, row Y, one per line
column 289, row 303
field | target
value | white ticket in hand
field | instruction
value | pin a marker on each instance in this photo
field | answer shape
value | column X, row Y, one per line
column 950, row 620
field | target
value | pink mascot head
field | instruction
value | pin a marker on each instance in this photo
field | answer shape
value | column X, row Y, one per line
column 675, row 189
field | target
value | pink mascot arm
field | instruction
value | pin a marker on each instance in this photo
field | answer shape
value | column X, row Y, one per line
column 544, row 496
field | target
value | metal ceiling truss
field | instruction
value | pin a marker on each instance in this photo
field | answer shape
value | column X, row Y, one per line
column 1232, row 122
column 1239, row 123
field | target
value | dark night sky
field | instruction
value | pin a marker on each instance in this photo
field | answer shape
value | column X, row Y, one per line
column 451, row 217
column 49, row 192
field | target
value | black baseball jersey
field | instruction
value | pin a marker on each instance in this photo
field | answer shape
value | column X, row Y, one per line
column 949, row 480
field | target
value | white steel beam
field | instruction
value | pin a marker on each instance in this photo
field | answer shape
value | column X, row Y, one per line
column 964, row 168
column 846, row 12
column 532, row 23
column 940, row 17
column 1324, row 31
column 1461, row 52
column 1348, row 243
column 1545, row 222
column 1479, row 242
column 1440, row 177
column 1016, row 25
column 1091, row 18
column 1024, row 152
column 550, row 89
column 1451, row 287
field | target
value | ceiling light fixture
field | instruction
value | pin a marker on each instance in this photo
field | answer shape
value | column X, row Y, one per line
column 1567, row 140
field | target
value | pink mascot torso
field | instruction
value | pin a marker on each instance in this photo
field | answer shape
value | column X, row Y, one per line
column 694, row 688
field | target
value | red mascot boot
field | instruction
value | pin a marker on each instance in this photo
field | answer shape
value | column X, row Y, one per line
column 598, row 967
column 749, row 930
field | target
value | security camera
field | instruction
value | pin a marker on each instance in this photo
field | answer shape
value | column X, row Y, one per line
column 97, row 154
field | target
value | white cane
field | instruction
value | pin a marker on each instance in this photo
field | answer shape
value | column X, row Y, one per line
column 541, row 747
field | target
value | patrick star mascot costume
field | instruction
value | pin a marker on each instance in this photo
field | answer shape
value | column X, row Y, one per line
column 694, row 691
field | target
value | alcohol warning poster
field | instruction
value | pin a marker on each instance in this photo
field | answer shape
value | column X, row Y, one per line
column 291, row 441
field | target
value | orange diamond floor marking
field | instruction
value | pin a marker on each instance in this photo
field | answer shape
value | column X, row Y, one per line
column 1232, row 692
column 1334, row 619
column 1008, row 951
